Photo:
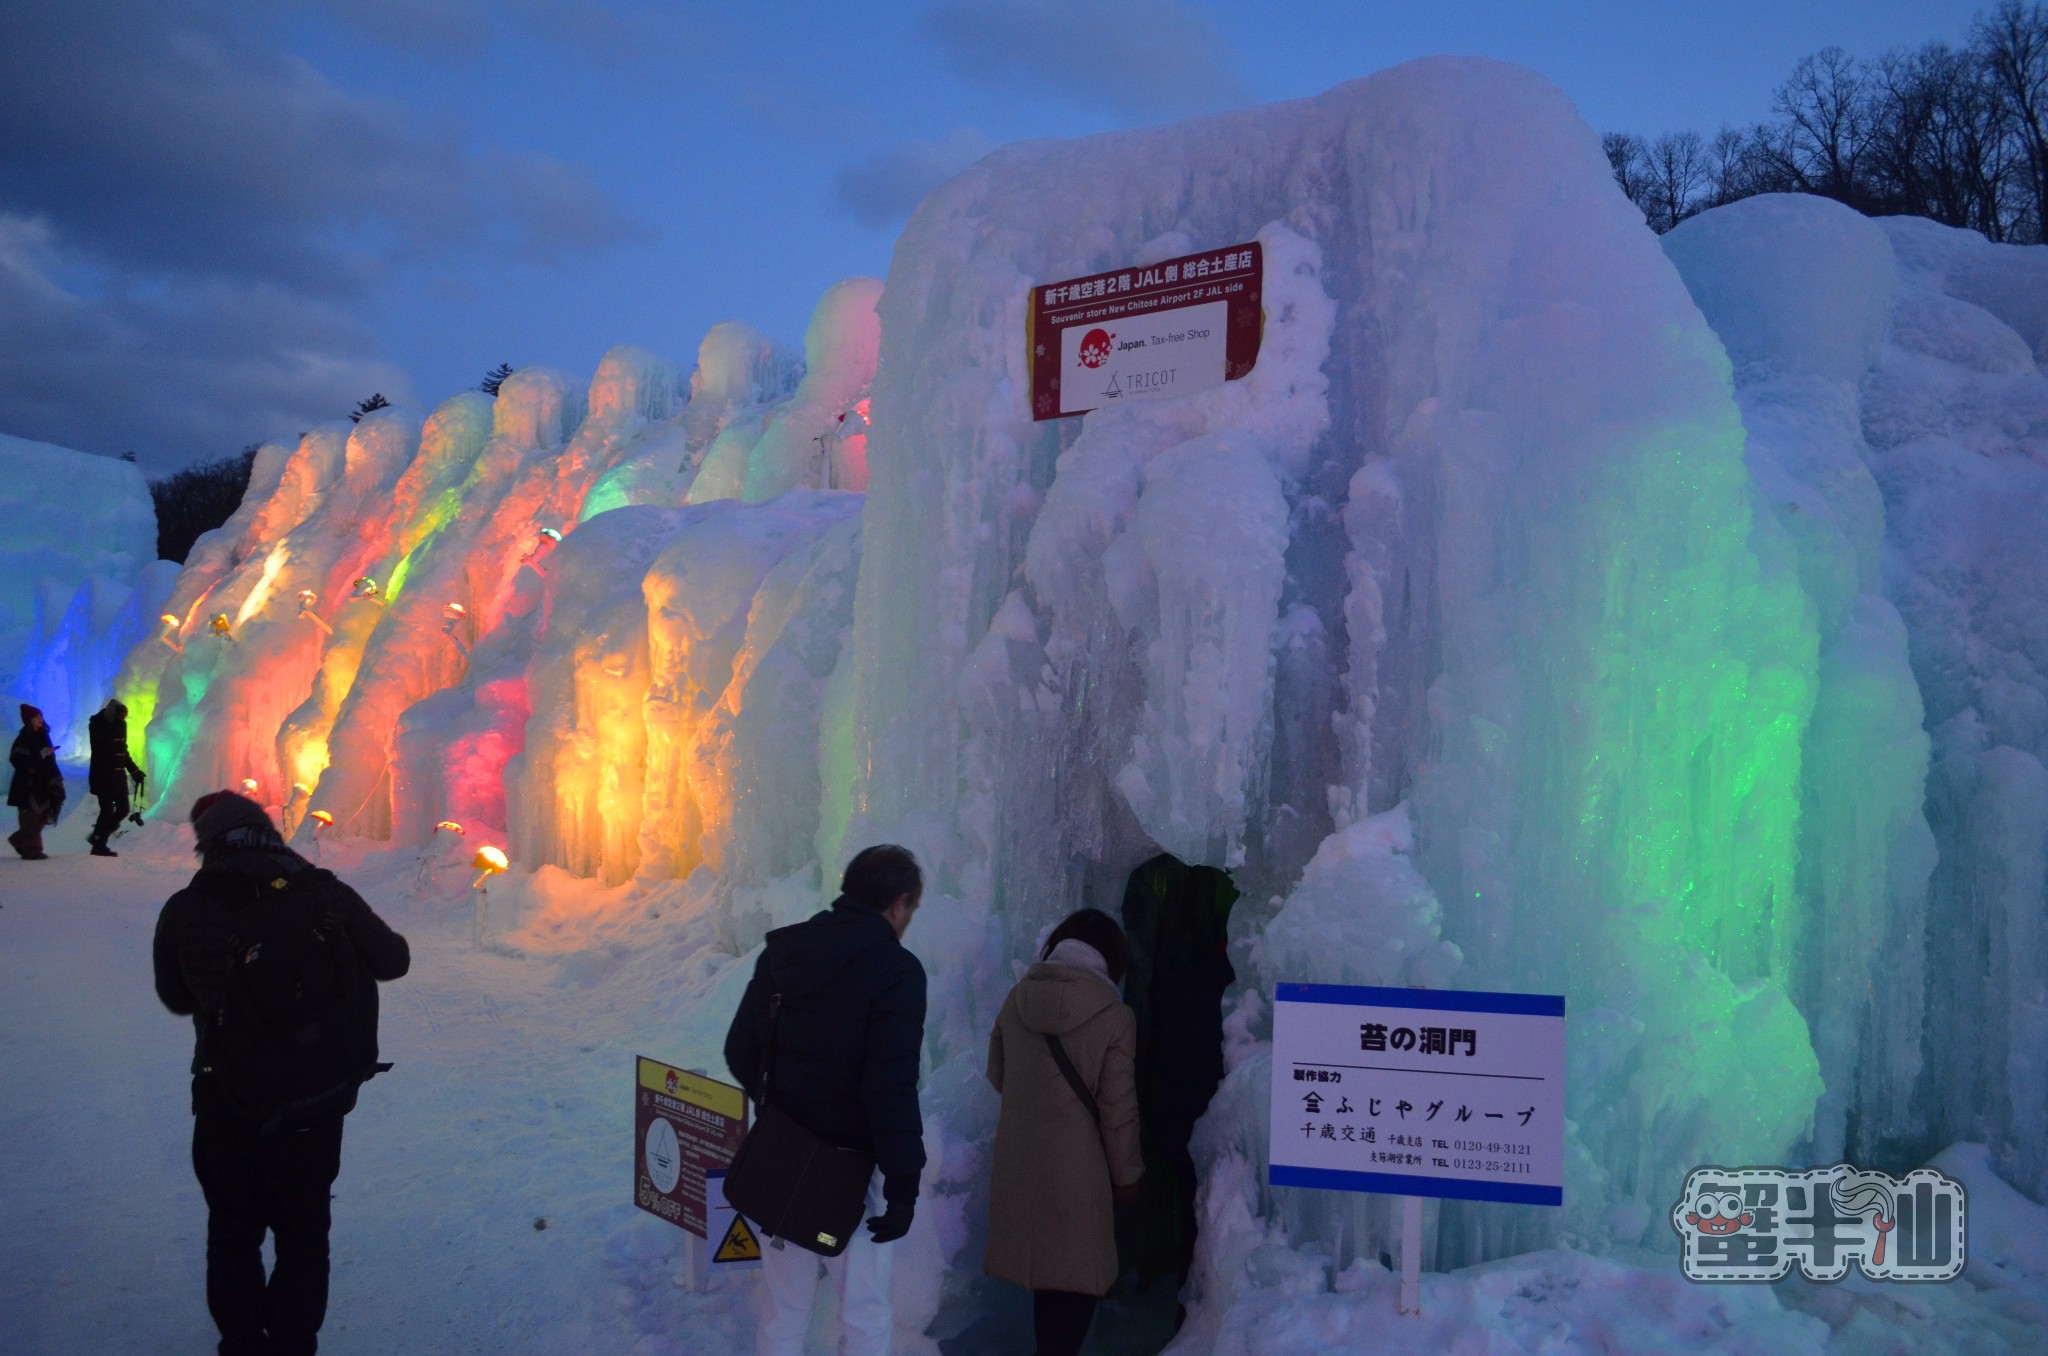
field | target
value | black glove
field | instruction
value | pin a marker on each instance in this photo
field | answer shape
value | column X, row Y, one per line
column 894, row 1222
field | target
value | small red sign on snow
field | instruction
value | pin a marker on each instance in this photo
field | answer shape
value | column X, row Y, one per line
column 1164, row 329
column 684, row 1125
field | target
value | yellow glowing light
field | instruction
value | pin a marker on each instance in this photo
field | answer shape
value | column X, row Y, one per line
column 489, row 862
column 249, row 785
column 323, row 817
column 273, row 565
column 449, row 825
column 455, row 612
column 220, row 625
column 302, row 788
column 168, row 620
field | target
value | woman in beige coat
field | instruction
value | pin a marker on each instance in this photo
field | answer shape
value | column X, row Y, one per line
column 1051, row 1227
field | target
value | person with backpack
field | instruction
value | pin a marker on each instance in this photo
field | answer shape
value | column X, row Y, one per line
column 277, row 962
column 36, row 790
column 830, row 1030
column 111, row 774
column 1062, row 1056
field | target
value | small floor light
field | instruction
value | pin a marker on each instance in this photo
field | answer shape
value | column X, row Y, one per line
column 489, row 862
column 249, row 787
column 449, row 825
column 220, row 626
column 453, row 616
column 170, row 635
column 307, row 598
column 366, row 587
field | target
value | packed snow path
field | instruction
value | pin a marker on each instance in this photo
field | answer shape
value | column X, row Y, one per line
column 509, row 1106
column 502, row 1112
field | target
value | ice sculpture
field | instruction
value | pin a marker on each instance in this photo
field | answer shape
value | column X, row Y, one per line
column 80, row 584
column 1548, row 609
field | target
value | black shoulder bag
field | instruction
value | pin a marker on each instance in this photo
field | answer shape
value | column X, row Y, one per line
column 797, row 1185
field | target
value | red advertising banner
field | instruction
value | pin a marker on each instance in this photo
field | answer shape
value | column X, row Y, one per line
column 684, row 1125
column 1165, row 329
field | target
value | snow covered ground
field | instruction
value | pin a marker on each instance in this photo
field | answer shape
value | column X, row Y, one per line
column 483, row 1204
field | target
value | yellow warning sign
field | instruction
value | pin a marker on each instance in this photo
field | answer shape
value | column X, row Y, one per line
column 739, row 1244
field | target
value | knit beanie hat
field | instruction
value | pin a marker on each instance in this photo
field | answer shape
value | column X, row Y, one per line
column 216, row 815
column 27, row 711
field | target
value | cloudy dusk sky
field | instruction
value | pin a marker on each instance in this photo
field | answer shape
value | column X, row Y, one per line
column 224, row 222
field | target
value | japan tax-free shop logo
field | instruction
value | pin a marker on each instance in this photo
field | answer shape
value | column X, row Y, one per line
column 1756, row 1224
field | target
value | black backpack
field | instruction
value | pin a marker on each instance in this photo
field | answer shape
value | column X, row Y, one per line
column 295, row 1034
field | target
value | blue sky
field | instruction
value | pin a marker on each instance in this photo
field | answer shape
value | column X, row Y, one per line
column 222, row 222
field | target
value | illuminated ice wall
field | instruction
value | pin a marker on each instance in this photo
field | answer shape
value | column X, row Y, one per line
column 1550, row 609
column 80, row 583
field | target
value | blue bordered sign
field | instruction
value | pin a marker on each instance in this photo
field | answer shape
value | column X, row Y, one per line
column 1419, row 1092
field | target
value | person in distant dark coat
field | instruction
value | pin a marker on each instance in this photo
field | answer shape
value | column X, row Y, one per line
column 112, row 773
column 844, row 1065
column 37, row 789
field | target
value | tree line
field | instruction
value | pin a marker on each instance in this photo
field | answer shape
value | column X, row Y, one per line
column 202, row 496
column 1956, row 134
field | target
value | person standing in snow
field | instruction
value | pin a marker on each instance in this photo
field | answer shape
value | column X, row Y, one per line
column 1063, row 1057
column 111, row 773
column 37, row 788
column 845, row 1064
column 277, row 963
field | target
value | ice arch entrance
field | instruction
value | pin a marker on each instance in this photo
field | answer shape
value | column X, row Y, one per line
column 1177, row 921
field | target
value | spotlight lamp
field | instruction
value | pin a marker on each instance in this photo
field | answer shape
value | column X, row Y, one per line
column 490, row 861
column 307, row 600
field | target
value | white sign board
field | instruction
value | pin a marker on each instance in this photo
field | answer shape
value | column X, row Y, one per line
column 1161, row 354
column 1145, row 332
column 1419, row 1092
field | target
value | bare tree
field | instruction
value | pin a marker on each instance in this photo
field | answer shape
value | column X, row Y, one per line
column 1679, row 178
column 1939, row 143
column 2013, row 43
column 1629, row 159
column 1820, row 143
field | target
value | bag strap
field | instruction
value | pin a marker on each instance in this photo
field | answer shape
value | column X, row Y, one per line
column 774, row 1026
column 1073, row 1077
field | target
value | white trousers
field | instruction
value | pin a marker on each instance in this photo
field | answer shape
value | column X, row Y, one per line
column 860, row 1275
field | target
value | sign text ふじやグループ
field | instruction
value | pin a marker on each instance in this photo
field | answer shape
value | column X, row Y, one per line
column 1419, row 1092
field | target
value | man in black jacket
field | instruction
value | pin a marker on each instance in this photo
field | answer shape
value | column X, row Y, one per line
column 111, row 771
column 844, row 1065
column 264, row 1165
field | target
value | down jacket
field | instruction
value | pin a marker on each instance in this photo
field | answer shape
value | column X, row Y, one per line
column 1051, row 1220
column 848, row 1041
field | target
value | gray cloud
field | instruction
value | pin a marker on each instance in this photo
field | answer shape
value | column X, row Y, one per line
column 166, row 142
column 171, row 370
column 1146, row 59
column 193, row 212
column 883, row 189
column 624, row 34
